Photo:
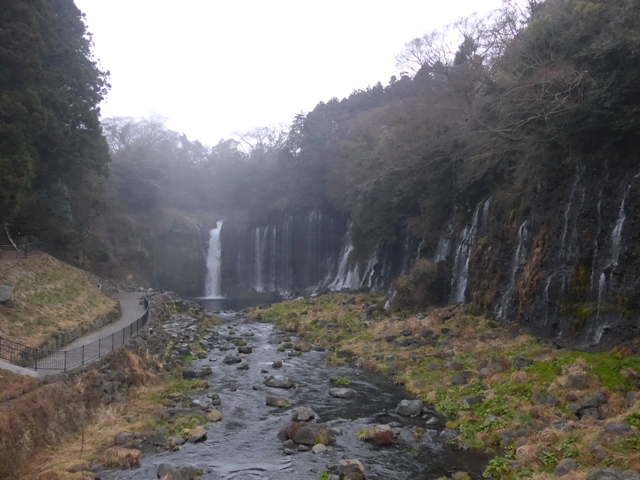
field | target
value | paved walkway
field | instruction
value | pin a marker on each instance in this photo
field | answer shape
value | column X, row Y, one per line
column 131, row 309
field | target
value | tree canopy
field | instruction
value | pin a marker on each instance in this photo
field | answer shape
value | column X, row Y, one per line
column 50, row 134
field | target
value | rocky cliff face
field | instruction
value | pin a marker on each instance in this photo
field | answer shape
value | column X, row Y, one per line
column 179, row 261
column 303, row 252
column 563, row 259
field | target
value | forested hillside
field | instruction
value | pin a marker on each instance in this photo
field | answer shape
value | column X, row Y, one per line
column 498, row 167
column 51, row 143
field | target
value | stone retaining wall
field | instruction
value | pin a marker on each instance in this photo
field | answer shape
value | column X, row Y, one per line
column 59, row 339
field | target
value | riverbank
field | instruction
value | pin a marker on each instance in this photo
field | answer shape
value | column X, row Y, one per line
column 541, row 411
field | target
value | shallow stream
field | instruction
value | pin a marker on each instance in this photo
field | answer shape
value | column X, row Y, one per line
column 245, row 446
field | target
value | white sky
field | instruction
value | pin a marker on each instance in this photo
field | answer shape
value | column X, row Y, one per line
column 215, row 67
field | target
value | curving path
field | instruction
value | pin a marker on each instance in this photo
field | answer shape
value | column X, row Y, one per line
column 131, row 309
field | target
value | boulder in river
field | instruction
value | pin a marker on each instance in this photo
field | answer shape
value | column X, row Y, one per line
column 307, row 433
column 229, row 359
column 167, row 471
column 343, row 392
column 351, row 469
column 198, row 434
column 409, row 408
column 245, row 349
column 279, row 381
column 378, row 434
column 193, row 371
column 280, row 402
column 302, row 346
column 302, row 414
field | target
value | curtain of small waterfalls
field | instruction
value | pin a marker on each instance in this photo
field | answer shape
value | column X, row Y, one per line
column 213, row 284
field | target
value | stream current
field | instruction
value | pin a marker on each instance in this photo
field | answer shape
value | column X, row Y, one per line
column 245, row 446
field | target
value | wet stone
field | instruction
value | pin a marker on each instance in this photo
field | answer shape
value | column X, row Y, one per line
column 245, row 349
column 302, row 414
column 409, row 408
column 196, row 372
column 230, row 359
column 318, row 449
column 279, row 402
column 278, row 381
column 343, row 392
column 167, row 471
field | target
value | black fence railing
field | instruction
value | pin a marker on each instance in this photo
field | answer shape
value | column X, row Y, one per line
column 38, row 359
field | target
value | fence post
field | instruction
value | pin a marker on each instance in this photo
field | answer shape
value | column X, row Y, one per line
column 65, row 361
column 36, row 360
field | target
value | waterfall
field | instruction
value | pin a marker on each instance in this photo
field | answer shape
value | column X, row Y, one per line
column 616, row 235
column 212, row 284
column 460, row 275
column 261, row 236
column 546, row 300
column 595, row 243
column 519, row 257
column 345, row 277
column 272, row 261
column 564, row 254
column 420, row 245
column 443, row 249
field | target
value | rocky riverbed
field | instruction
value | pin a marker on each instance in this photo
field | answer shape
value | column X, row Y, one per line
column 280, row 411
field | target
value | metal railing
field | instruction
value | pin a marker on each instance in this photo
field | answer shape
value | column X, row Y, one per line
column 39, row 359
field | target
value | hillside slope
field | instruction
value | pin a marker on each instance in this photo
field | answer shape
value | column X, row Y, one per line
column 49, row 296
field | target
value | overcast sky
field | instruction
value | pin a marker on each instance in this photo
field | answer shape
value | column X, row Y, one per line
column 215, row 67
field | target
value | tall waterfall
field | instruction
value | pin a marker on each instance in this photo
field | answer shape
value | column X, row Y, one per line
column 213, row 284
column 616, row 235
column 519, row 257
column 460, row 275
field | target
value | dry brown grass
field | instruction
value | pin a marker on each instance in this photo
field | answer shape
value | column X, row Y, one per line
column 119, row 457
column 13, row 385
column 49, row 296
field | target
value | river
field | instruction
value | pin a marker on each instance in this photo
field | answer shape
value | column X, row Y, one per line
column 245, row 446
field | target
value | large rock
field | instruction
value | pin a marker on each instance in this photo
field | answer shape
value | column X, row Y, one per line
column 302, row 414
column 612, row 474
column 302, row 346
column 351, row 469
column 167, row 471
column 279, row 402
column 193, row 371
column 198, row 434
column 278, row 381
column 565, row 466
column 230, row 359
column 409, row 408
column 343, row 392
column 6, row 295
column 311, row 434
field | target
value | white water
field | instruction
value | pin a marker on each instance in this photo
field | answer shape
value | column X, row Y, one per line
column 443, row 250
column 213, row 283
column 519, row 257
column 346, row 278
column 468, row 236
column 616, row 235
column 595, row 243
column 564, row 253
column 261, row 235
